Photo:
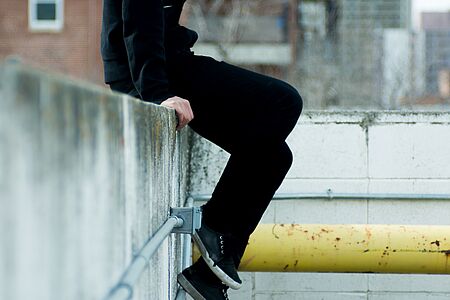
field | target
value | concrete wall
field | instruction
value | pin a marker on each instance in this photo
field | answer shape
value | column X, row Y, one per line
column 86, row 177
column 352, row 152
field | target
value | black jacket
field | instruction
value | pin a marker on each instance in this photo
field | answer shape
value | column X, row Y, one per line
column 137, row 37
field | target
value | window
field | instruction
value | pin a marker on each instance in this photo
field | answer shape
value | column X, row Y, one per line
column 45, row 15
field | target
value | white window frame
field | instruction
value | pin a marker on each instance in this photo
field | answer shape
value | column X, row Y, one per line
column 45, row 25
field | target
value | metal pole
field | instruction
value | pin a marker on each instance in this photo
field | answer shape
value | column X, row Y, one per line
column 187, row 252
column 346, row 196
column 408, row 249
column 187, row 247
column 124, row 289
column 349, row 196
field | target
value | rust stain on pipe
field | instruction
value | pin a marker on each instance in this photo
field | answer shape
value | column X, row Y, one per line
column 437, row 243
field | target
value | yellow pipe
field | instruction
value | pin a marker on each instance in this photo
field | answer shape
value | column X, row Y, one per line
column 348, row 248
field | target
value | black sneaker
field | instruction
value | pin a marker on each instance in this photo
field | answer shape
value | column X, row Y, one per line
column 217, row 250
column 200, row 287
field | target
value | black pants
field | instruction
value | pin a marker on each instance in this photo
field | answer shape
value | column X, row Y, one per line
column 247, row 114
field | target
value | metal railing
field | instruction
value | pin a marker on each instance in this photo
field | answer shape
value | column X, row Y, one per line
column 187, row 253
column 181, row 220
column 123, row 290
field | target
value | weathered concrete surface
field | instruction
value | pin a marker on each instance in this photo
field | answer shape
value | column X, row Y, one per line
column 86, row 177
column 353, row 152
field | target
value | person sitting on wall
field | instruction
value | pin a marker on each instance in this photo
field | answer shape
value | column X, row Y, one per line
column 147, row 54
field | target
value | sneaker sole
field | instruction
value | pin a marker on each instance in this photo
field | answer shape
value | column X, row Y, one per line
column 189, row 288
column 215, row 269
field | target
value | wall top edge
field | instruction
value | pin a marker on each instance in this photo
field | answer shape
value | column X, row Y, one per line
column 372, row 117
column 14, row 65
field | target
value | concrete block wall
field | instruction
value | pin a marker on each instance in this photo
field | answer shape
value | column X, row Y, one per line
column 86, row 176
column 352, row 152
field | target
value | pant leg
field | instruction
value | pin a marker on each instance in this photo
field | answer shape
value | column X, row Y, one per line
column 250, row 116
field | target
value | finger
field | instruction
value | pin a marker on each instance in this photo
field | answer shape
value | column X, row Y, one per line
column 183, row 114
column 180, row 124
column 182, row 120
column 189, row 113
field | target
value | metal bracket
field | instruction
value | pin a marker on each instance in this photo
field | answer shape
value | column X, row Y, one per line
column 191, row 216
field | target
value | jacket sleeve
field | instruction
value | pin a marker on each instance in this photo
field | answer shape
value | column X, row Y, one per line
column 143, row 33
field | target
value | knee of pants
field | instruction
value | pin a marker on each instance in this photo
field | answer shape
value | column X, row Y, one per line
column 297, row 103
column 286, row 157
column 281, row 158
column 294, row 102
column 289, row 103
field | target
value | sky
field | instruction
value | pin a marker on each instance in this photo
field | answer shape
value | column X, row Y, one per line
column 427, row 5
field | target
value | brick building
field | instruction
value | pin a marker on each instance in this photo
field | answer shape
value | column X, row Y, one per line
column 62, row 35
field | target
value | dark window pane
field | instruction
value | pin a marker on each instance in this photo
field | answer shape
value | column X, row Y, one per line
column 46, row 11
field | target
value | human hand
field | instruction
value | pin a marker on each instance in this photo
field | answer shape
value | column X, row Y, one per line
column 182, row 108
